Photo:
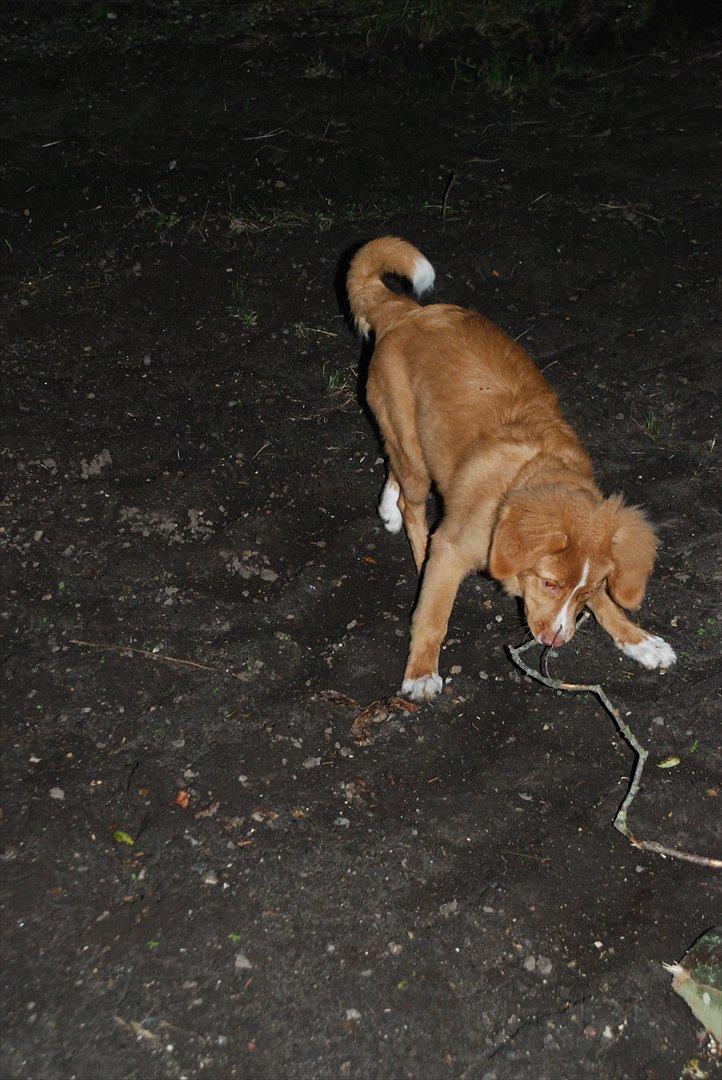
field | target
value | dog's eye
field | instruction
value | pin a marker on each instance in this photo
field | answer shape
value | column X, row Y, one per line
column 552, row 586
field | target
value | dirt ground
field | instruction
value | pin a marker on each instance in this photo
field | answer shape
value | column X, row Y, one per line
column 208, row 870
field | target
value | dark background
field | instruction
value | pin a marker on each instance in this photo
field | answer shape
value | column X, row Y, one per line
column 210, row 867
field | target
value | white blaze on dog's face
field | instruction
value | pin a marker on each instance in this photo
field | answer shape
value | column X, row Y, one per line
column 555, row 591
column 555, row 553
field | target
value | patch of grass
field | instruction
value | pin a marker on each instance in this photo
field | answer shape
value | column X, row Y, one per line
column 340, row 383
column 652, row 426
column 261, row 219
column 256, row 219
column 98, row 11
column 319, row 69
column 239, row 307
column 528, row 43
column 707, row 452
column 163, row 223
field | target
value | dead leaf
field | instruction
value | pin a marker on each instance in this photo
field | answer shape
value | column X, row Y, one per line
column 376, row 713
column 337, row 699
column 404, row 705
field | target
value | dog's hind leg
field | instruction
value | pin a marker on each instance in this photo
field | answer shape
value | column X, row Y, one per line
column 404, row 498
column 417, row 527
column 414, row 483
column 391, row 504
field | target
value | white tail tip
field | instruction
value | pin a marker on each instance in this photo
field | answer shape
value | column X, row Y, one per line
column 423, row 276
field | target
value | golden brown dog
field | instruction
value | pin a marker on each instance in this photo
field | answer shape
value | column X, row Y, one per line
column 462, row 406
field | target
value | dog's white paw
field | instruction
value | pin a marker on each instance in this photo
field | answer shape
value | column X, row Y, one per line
column 389, row 508
column 392, row 519
column 652, row 652
column 425, row 688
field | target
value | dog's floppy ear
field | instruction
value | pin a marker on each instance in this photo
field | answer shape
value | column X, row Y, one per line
column 520, row 539
column 634, row 547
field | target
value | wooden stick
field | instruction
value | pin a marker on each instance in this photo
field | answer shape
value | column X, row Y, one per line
column 620, row 821
column 154, row 656
column 449, row 185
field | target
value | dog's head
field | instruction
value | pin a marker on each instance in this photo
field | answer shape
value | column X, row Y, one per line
column 555, row 548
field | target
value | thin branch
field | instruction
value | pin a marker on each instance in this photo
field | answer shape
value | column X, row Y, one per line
column 449, row 186
column 155, row 656
column 620, row 820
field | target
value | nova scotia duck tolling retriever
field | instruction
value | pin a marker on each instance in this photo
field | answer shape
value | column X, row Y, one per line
column 461, row 406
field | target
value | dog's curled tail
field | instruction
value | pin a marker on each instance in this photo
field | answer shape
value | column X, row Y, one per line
column 387, row 255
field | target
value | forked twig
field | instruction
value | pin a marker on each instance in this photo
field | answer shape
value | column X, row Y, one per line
column 620, row 821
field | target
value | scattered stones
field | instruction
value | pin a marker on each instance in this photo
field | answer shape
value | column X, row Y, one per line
column 94, row 467
column 449, row 909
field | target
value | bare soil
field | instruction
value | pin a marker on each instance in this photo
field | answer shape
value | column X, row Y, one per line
column 189, row 473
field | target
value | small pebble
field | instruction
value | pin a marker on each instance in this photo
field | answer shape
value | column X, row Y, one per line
column 530, row 963
column 343, row 822
column 242, row 963
column 543, row 964
column 353, row 1014
column 56, row 793
column 211, row 878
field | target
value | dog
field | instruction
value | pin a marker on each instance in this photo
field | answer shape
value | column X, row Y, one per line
column 460, row 405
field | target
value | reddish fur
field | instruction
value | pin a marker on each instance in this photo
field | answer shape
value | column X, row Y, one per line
column 461, row 405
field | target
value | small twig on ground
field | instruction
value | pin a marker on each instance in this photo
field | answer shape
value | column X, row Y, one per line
column 156, row 656
column 620, row 820
column 449, row 185
column 631, row 209
column 268, row 135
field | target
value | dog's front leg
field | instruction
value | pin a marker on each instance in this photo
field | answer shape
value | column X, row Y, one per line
column 445, row 569
column 648, row 649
